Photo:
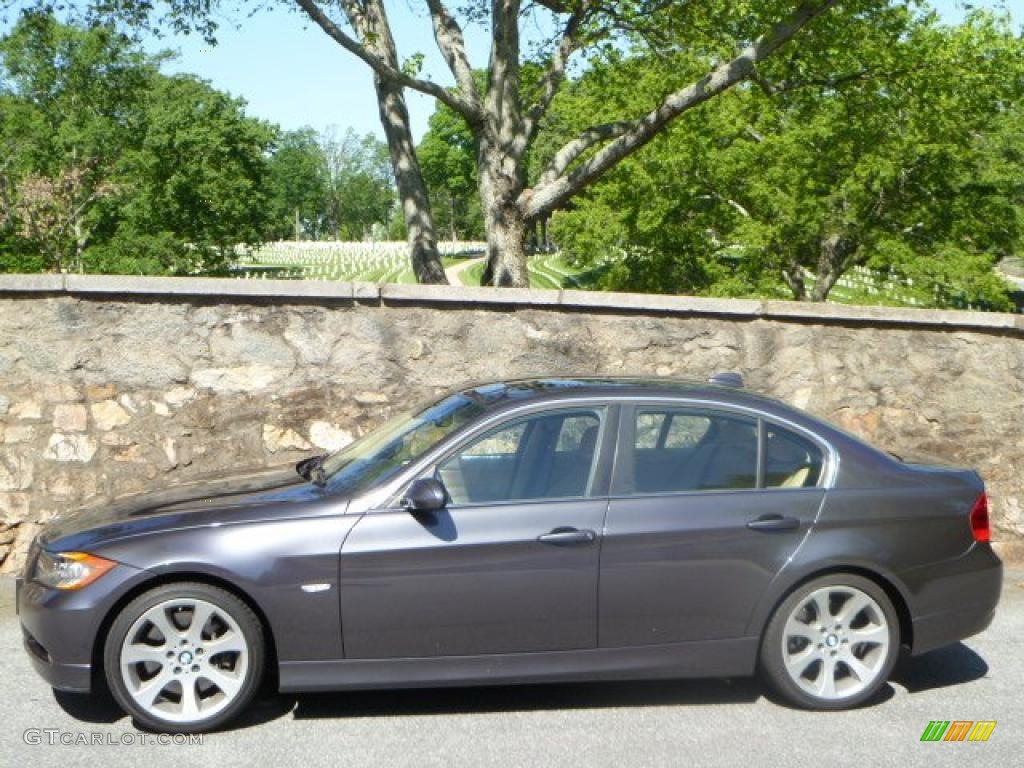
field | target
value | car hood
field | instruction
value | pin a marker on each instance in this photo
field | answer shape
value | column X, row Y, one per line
column 206, row 499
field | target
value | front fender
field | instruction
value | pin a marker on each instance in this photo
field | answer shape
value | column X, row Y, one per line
column 269, row 562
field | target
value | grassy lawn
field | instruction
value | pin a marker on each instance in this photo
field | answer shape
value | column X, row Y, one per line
column 388, row 263
column 547, row 271
column 381, row 262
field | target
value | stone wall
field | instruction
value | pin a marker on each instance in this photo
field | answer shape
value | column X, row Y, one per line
column 111, row 386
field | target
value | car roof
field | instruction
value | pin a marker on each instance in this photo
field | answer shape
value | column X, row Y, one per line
column 496, row 395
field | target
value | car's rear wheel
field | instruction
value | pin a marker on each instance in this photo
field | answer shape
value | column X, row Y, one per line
column 185, row 657
column 832, row 643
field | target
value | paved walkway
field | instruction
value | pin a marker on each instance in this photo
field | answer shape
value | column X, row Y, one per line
column 453, row 272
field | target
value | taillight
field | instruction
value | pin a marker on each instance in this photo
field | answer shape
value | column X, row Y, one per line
column 979, row 520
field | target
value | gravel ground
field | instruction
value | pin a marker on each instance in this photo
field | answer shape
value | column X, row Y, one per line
column 698, row 723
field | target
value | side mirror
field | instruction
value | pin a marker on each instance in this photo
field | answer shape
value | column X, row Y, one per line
column 425, row 495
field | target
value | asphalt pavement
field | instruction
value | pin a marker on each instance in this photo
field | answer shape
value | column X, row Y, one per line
column 665, row 723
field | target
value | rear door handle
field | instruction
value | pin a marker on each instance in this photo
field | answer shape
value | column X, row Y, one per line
column 774, row 523
column 561, row 537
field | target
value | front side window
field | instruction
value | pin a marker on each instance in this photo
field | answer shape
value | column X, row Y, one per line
column 692, row 450
column 545, row 456
column 790, row 461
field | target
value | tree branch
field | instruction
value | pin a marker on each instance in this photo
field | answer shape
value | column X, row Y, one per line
column 555, row 6
column 382, row 67
column 773, row 88
column 865, row 74
column 545, row 198
column 503, row 88
column 448, row 35
column 555, row 75
column 569, row 153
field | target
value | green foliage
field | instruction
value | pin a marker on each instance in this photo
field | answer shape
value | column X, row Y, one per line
column 200, row 172
column 331, row 186
column 298, row 185
column 886, row 142
column 130, row 251
column 72, row 101
column 360, row 200
column 447, row 155
column 881, row 138
column 413, row 65
column 18, row 255
column 108, row 165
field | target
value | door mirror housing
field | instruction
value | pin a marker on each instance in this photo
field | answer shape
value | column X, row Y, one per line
column 425, row 495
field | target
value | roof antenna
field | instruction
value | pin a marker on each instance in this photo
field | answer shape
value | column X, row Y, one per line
column 727, row 379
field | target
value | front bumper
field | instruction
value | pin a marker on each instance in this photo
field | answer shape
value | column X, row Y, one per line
column 59, row 629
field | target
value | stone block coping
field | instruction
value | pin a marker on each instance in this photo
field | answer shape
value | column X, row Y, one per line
column 129, row 287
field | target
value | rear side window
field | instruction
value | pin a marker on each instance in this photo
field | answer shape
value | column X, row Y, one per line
column 655, row 429
column 689, row 450
column 686, row 429
column 790, row 461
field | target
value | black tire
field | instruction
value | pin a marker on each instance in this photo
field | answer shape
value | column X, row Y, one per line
column 772, row 662
column 248, row 623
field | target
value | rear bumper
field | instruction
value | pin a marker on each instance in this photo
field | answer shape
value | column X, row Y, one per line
column 931, row 632
column 969, row 596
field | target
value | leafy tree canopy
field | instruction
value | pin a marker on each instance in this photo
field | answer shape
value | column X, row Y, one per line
column 108, row 165
column 896, row 155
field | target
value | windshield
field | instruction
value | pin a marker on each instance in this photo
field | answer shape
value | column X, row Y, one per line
column 377, row 456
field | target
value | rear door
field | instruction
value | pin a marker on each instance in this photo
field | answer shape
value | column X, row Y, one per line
column 706, row 507
column 509, row 566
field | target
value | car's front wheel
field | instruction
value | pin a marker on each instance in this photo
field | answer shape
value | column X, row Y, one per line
column 832, row 643
column 184, row 657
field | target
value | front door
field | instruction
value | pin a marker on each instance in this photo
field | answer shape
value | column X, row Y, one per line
column 696, row 530
column 509, row 566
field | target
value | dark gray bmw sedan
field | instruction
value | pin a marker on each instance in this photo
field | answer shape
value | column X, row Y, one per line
column 516, row 532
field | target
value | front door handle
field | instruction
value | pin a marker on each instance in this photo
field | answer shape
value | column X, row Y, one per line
column 561, row 537
column 774, row 523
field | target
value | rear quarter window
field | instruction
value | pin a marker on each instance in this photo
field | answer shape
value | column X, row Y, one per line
column 790, row 461
column 689, row 450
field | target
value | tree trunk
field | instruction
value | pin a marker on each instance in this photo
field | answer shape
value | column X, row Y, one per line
column 793, row 276
column 412, row 191
column 375, row 44
column 506, row 247
column 454, row 232
column 297, row 227
column 834, row 254
column 369, row 19
column 504, row 223
column 80, row 240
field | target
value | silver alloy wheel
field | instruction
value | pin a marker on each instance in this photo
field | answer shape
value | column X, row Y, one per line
column 835, row 642
column 184, row 660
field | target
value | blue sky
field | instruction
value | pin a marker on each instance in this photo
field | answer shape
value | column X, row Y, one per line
column 292, row 74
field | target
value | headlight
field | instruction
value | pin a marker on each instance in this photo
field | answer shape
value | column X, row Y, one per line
column 70, row 570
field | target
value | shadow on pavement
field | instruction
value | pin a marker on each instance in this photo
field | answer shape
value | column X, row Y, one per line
column 943, row 667
column 98, row 707
column 518, row 698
